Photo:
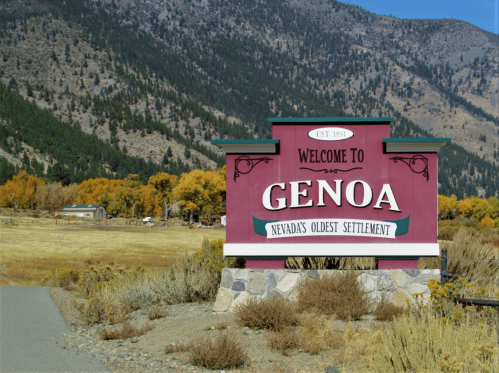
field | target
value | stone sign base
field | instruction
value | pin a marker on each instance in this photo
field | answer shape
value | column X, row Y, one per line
column 239, row 285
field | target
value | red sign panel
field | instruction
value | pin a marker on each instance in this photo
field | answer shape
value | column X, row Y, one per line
column 332, row 187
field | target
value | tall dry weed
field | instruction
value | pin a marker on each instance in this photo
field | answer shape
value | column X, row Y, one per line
column 337, row 263
column 471, row 257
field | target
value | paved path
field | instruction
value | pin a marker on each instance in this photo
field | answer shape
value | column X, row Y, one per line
column 30, row 325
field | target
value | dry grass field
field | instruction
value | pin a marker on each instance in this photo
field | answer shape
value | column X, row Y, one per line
column 32, row 247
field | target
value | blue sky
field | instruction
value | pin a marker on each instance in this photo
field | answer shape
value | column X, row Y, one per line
column 481, row 13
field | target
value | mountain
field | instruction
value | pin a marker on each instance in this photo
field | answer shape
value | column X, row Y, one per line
column 146, row 76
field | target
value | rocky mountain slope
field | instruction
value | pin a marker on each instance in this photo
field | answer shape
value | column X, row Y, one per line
column 146, row 76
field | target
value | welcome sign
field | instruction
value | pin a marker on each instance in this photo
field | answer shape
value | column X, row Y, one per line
column 332, row 187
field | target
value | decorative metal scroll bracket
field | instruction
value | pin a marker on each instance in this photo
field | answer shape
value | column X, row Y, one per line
column 249, row 162
column 327, row 171
column 411, row 162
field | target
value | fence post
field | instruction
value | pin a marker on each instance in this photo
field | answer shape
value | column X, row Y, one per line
column 443, row 267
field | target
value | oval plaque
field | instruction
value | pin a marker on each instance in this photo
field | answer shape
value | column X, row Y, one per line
column 330, row 134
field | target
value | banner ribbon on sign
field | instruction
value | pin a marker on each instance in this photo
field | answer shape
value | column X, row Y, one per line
column 331, row 227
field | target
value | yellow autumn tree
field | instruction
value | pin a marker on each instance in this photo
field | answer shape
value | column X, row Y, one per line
column 446, row 206
column 465, row 207
column 123, row 201
column 162, row 185
column 148, row 203
column 20, row 192
column 488, row 222
column 92, row 189
column 494, row 206
column 480, row 209
column 201, row 192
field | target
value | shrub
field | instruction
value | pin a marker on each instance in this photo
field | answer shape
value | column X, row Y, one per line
column 173, row 348
column 127, row 331
column 274, row 314
column 387, row 311
column 96, row 275
column 428, row 342
column 447, row 229
column 225, row 352
column 157, row 313
column 221, row 326
column 284, row 342
column 62, row 276
column 185, row 281
column 339, row 295
column 317, row 335
column 442, row 296
column 212, row 257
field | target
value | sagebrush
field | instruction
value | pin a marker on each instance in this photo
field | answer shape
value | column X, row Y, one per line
column 339, row 295
column 224, row 352
column 274, row 314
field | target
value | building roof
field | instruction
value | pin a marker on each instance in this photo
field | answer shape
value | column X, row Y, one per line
column 79, row 208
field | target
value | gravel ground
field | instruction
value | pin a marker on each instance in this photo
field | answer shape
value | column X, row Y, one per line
column 184, row 324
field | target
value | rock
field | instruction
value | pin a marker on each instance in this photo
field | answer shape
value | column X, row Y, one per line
column 313, row 273
column 293, row 294
column 257, row 283
column 425, row 279
column 271, row 281
column 288, row 282
column 367, row 282
column 134, row 340
column 227, row 279
column 241, row 299
column 280, row 274
column 399, row 297
column 385, row 283
column 332, row 369
column 247, row 332
column 240, row 274
column 411, row 272
column 400, row 277
column 417, row 288
column 223, row 301
column 238, row 286
column 273, row 293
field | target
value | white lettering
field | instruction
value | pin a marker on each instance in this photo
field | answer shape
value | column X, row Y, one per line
column 335, row 195
column 295, row 194
column 350, row 193
column 267, row 196
column 387, row 190
column 331, row 227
